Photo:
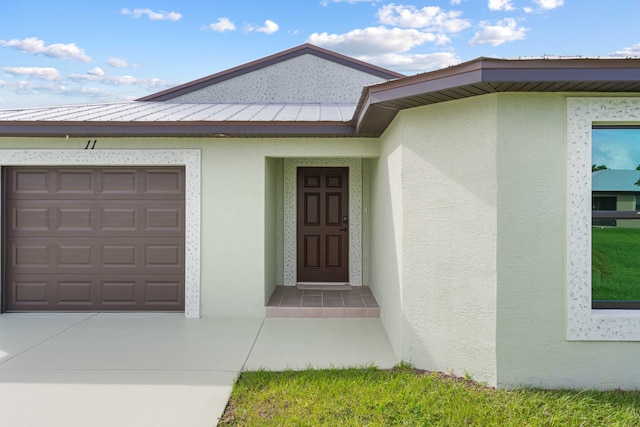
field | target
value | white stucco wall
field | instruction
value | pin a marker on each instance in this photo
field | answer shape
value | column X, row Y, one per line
column 385, row 222
column 441, row 163
column 273, row 221
column 533, row 344
column 237, row 212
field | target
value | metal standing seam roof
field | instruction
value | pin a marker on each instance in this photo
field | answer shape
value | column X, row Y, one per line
column 168, row 112
column 615, row 180
column 175, row 119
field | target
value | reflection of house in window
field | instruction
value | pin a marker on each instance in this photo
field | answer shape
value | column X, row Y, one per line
column 615, row 190
column 604, row 203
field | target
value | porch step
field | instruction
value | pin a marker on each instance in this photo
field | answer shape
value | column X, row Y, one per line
column 290, row 301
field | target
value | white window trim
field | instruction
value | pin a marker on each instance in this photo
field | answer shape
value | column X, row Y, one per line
column 584, row 323
column 190, row 159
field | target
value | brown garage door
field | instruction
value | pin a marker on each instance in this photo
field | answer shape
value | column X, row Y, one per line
column 94, row 239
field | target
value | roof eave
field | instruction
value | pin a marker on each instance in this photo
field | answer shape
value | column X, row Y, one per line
column 178, row 129
column 381, row 103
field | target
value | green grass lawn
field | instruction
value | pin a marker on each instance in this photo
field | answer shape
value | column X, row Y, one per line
column 407, row 397
column 616, row 264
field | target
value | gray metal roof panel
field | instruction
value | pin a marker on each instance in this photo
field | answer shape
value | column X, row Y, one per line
column 170, row 112
column 269, row 112
column 289, row 113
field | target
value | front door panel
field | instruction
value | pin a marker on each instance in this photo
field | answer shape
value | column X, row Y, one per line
column 323, row 225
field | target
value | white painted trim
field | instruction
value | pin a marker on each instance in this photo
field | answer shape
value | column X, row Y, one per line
column 190, row 159
column 584, row 323
column 355, row 215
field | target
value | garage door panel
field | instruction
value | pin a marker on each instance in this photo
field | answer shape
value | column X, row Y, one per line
column 29, row 255
column 93, row 239
column 165, row 182
column 75, row 182
column 72, row 292
column 28, row 291
column 63, row 218
column 162, row 292
column 28, row 219
column 74, row 255
column 75, row 219
column 104, row 184
column 29, row 183
column 86, row 255
column 120, row 183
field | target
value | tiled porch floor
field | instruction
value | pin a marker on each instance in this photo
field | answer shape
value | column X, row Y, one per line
column 289, row 301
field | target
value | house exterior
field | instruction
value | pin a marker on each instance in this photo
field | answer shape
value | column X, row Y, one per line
column 466, row 207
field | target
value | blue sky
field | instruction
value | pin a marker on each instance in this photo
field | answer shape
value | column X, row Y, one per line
column 55, row 52
column 616, row 148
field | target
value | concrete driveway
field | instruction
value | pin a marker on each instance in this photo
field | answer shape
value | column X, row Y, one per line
column 99, row 369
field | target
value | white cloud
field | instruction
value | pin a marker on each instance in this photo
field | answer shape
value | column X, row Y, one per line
column 97, row 75
column 500, row 5
column 269, row 27
column 549, row 4
column 455, row 2
column 22, row 87
column 93, row 76
column 42, row 73
column 96, row 71
column 36, row 46
column 495, row 35
column 528, row 9
column 628, row 52
column 116, row 62
column 413, row 63
column 429, row 17
column 373, row 40
column 153, row 15
column 221, row 25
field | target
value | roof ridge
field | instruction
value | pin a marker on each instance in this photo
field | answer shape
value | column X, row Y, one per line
column 258, row 64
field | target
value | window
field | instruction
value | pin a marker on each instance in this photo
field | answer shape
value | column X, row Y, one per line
column 583, row 322
column 604, row 203
column 615, row 236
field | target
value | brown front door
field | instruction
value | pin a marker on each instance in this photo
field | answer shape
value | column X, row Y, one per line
column 323, row 225
column 94, row 239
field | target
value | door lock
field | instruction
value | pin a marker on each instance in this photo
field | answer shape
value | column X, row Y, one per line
column 343, row 229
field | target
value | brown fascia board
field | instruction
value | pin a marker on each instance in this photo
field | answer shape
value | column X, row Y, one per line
column 177, row 129
column 268, row 61
column 380, row 103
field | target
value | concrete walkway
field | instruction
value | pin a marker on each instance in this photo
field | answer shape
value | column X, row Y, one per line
column 159, row 370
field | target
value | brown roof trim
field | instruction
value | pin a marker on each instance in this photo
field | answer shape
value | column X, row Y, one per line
column 178, row 129
column 380, row 103
column 268, row 61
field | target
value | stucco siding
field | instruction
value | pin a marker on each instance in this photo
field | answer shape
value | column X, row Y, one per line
column 449, row 236
column 273, row 248
column 306, row 78
column 385, row 219
column 532, row 345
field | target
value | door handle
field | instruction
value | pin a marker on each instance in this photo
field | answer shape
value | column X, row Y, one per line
column 343, row 229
